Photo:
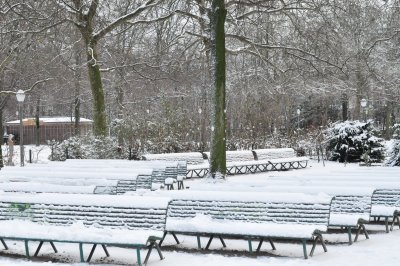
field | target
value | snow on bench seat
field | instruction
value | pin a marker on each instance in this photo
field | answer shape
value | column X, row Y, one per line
column 260, row 216
column 32, row 187
column 124, row 221
column 75, row 233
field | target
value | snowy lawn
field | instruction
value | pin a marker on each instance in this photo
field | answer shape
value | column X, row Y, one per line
column 381, row 248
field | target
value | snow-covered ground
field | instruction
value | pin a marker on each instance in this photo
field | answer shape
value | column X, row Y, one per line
column 380, row 249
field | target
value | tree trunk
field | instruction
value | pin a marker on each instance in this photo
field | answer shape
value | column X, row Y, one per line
column 345, row 107
column 388, row 123
column 2, row 140
column 77, row 101
column 96, row 85
column 218, row 140
column 37, row 122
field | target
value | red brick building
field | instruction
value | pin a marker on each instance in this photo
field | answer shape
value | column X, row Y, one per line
column 50, row 128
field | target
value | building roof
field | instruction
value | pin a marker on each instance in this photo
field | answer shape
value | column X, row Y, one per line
column 46, row 120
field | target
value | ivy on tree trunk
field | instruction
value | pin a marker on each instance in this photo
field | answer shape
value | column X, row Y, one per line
column 96, row 85
column 218, row 64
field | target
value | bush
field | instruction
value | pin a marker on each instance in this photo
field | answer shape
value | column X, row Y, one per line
column 88, row 147
column 394, row 148
column 353, row 141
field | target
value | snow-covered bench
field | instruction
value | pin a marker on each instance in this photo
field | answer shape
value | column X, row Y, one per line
column 287, row 163
column 350, row 212
column 249, row 216
column 386, row 204
column 126, row 221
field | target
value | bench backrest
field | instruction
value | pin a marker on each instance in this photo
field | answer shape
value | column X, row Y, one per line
column 143, row 182
column 182, row 169
column 171, row 172
column 189, row 157
column 386, row 197
column 129, row 217
column 238, row 156
column 267, row 154
column 256, row 212
column 158, row 176
column 351, row 204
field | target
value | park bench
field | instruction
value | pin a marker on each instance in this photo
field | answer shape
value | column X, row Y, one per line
column 249, row 216
column 350, row 212
column 283, row 164
column 386, row 205
column 96, row 220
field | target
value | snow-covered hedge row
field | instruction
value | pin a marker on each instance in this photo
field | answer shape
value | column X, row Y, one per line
column 353, row 141
column 88, row 147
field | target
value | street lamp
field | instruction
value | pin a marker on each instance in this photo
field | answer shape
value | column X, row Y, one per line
column 298, row 118
column 20, row 99
column 363, row 103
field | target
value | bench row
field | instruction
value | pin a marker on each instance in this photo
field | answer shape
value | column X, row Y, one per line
column 194, row 158
column 254, row 166
column 141, row 222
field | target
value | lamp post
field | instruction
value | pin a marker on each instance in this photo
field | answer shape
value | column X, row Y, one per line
column 298, row 118
column 363, row 103
column 20, row 99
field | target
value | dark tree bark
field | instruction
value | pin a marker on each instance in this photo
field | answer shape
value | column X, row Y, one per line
column 218, row 65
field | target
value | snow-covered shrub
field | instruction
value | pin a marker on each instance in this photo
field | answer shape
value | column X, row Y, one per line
column 353, row 141
column 394, row 148
column 88, row 147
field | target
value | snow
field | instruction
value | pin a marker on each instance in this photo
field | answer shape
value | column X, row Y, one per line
column 315, row 181
column 87, row 200
column 61, row 119
column 75, row 233
column 343, row 219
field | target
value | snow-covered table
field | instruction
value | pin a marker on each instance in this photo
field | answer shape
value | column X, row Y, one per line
column 122, row 221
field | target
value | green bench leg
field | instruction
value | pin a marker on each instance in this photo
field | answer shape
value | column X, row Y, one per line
column 361, row 227
column 303, row 242
column 395, row 218
column 387, row 224
column 4, row 244
column 209, row 242
column 139, row 259
column 198, row 242
column 40, row 246
column 27, row 249
column 349, row 234
column 222, row 241
column 250, row 245
column 317, row 237
column 165, row 234
column 262, row 241
column 157, row 247
column 81, row 252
